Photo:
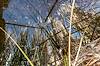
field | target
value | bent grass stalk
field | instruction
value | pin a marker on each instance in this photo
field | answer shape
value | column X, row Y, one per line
column 18, row 47
column 69, row 52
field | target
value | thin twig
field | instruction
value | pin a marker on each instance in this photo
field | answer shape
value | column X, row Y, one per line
column 51, row 10
column 22, row 25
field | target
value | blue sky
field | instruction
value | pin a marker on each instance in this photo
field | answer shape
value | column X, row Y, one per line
column 24, row 11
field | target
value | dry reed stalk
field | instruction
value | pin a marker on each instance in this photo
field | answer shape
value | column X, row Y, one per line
column 69, row 53
column 78, row 50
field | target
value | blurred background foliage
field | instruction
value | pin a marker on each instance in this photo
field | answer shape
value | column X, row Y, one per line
column 40, row 27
